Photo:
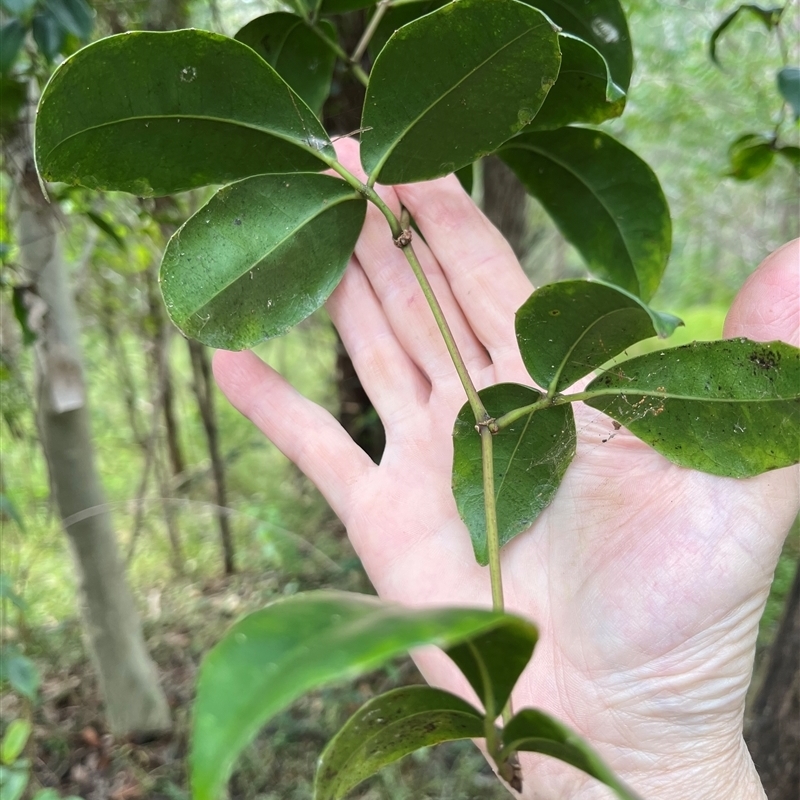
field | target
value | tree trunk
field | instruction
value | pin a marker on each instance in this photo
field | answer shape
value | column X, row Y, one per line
column 134, row 701
column 773, row 734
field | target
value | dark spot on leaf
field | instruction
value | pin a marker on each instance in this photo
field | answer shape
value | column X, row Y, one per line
column 554, row 312
column 237, row 221
column 765, row 359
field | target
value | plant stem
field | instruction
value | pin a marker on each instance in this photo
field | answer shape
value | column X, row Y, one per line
column 369, row 31
column 359, row 73
column 490, row 507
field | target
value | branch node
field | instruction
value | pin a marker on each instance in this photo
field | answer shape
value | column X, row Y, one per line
column 404, row 238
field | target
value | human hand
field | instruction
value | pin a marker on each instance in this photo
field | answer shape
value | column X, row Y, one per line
column 646, row 580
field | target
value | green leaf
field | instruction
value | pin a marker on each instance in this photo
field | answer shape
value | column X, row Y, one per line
column 397, row 16
column 13, row 782
column 750, row 156
column 298, row 55
column 74, row 16
column 17, row 7
column 769, row 16
column 790, row 153
column 474, row 73
column 12, row 35
column 182, row 109
column 466, row 177
column 13, row 94
column 789, row 87
column 729, row 408
column 20, row 672
column 584, row 91
column 530, row 459
column 566, row 330
column 47, row 794
column 306, row 8
column 261, row 256
column 604, row 199
column 601, row 23
column 21, row 313
column 389, row 727
column 534, row 731
column 107, row 227
column 14, row 740
column 48, row 35
column 493, row 661
column 272, row 657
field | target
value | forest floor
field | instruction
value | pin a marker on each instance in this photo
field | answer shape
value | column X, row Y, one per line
column 72, row 751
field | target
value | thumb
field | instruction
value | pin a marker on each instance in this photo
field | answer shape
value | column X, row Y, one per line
column 768, row 305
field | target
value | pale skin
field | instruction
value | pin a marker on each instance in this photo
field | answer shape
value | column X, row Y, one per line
column 646, row 580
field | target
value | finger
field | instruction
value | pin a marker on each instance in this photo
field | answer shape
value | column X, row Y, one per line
column 399, row 293
column 305, row 433
column 485, row 276
column 768, row 305
column 390, row 378
column 405, row 305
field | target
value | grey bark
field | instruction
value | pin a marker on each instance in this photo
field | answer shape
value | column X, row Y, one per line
column 134, row 700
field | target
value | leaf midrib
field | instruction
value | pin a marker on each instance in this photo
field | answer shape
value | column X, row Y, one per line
column 236, row 123
column 611, row 391
column 279, row 243
column 374, row 174
column 553, row 385
column 513, row 456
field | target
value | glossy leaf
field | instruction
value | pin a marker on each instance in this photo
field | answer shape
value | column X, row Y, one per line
column 48, row 35
column 601, row 23
column 789, row 87
column 584, row 91
column 750, row 156
column 729, row 408
column 566, row 330
column 12, row 35
column 530, row 459
column 261, row 256
column 272, row 657
column 604, row 199
column 466, row 177
column 181, row 109
column 74, row 16
column 397, row 16
column 14, row 740
column 493, row 661
column 389, row 727
column 474, row 73
column 533, row 731
column 295, row 52
column 769, row 16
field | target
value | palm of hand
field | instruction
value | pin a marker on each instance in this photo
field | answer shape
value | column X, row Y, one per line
column 646, row 580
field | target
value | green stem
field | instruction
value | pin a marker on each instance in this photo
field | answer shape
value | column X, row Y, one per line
column 359, row 73
column 369, row 31
column 490, row 506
